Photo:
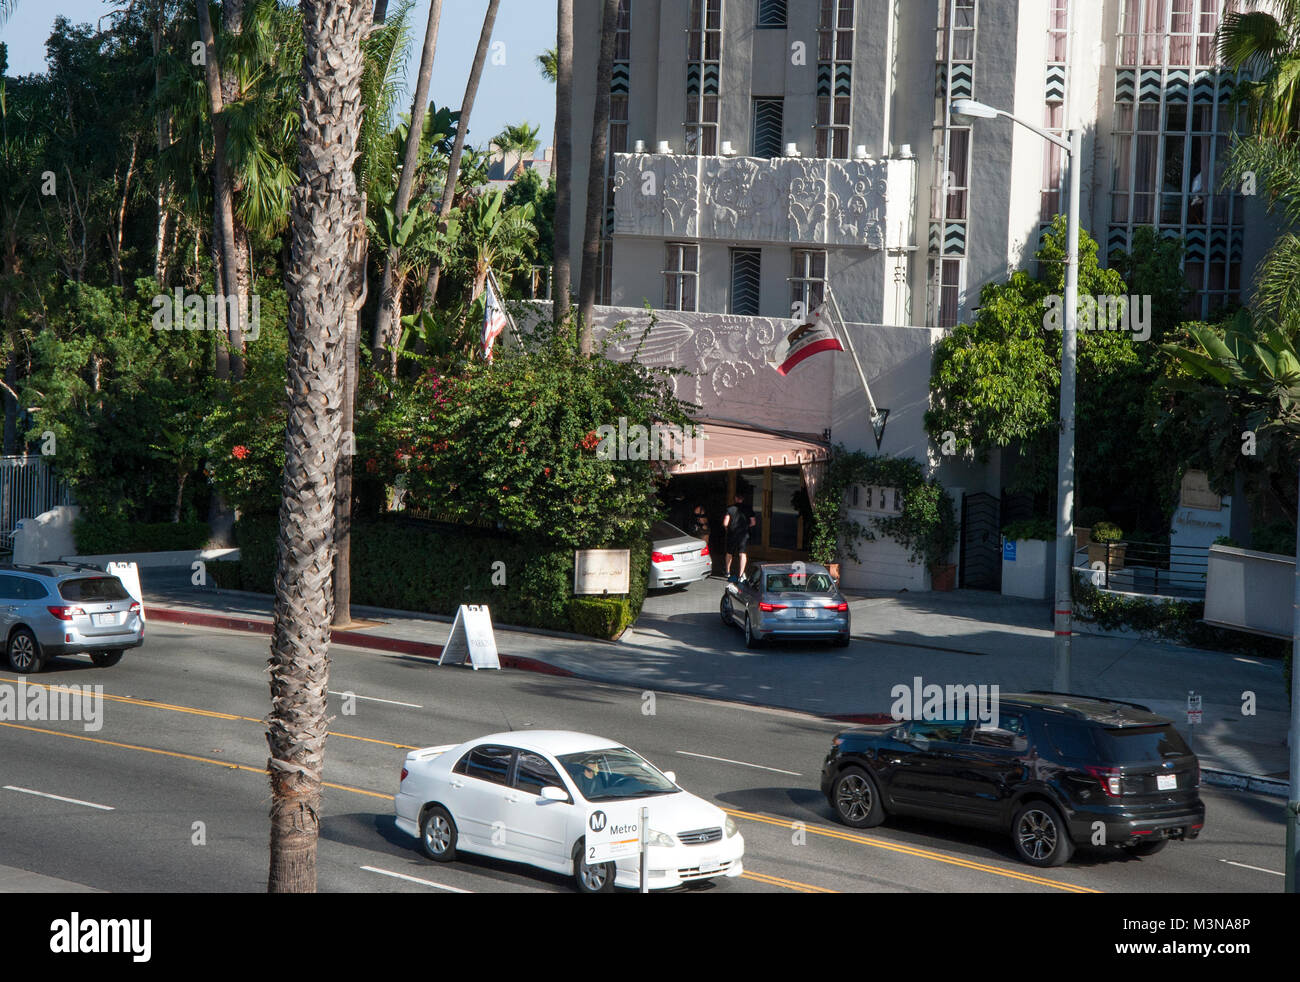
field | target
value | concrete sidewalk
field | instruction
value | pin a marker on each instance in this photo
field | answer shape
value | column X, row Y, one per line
column 966, row 637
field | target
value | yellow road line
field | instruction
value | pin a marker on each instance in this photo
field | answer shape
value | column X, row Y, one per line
column 760, row 877
column 915, row 851
column 779, row 881
column 193, row 711
column 176, row 753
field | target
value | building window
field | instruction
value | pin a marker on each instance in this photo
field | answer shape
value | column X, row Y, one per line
column 959, row 140
column 746, row 274
column 808, row 280
column 769, row 127
column 681, row 277
column 771, row 14
column 623, row 32
column 605, row 281
column 835, row 77
column 950, row 293
column 703, row 70
column 1190, row 26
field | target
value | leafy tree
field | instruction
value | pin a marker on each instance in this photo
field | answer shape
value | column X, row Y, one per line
column 1265, row 44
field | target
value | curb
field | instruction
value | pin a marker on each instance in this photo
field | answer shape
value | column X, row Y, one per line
column 1245, row 782
column 351, row 639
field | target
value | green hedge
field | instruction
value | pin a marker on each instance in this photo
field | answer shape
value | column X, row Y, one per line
column 600, row 617
column 99, row 535
column 416, row 567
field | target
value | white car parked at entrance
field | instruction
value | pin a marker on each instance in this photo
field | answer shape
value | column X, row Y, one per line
column 525, row 796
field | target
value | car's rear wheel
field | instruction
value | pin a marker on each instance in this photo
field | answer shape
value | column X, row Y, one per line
column 25, row 652
column 856, row 799
column 596, row 878
column 843, row 640
column 105, row 659
column 438, row 835
column 724, row 610
column 1040, row 835
column 752, row 640
column 1147, row 848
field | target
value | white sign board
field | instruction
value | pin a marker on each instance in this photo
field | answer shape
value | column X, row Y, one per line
column 471, row 639
column 613, row 832
column 129, row 574
column 600, row 571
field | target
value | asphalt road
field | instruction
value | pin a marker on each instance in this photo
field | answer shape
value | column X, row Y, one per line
column 171, row 795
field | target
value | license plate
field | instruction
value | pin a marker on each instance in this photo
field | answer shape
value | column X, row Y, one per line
column 103, row 620
column 711, row 866
column 807, row 611
column 1166, row 782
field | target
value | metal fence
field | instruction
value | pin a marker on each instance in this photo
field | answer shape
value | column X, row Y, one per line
column 28, row 487
column 1148, row 567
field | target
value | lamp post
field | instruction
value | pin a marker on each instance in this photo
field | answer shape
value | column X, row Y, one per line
column 1069, row 359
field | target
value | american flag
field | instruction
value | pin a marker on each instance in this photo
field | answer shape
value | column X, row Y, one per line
column 494, row 319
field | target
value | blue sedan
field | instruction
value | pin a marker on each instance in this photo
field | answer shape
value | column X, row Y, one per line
column 787, row 600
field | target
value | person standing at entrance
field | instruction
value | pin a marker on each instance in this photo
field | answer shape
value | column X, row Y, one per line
column 736, row 523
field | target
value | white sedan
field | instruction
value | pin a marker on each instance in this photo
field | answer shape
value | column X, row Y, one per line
column 527, row 796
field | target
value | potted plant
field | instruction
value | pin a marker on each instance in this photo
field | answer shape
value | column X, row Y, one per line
column 1027, row 558
column 1085, row 519
column 1107, row 546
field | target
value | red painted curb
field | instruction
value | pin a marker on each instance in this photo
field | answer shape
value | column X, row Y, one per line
column 351, row 639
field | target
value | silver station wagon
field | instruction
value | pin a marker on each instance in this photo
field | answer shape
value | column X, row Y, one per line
column 65, row 609
column 787, row 600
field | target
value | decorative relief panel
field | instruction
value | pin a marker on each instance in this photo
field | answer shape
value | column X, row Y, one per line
column 787, row 199
column 725, row 356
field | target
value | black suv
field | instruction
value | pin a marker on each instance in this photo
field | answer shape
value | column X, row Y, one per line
column 1056, row 771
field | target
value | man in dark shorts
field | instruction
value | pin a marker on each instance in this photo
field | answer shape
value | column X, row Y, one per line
column 736, row 523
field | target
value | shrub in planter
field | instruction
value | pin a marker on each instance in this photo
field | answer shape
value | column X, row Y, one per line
column 102, row 534
column 1107, row 545
column 1042, row 529
column 600, row 617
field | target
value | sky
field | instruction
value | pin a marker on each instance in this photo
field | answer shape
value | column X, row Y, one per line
column 511, row 92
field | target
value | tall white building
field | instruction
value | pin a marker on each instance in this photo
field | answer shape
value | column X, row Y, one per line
column 764, row 148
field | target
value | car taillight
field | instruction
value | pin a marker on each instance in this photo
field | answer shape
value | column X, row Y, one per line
column 404, row 773
column 843, row 606
column 1109, row 779
column 1196, row 774
column 660, row 557
column 768, row 608
column 133, row 609
column 66, row 613
column 704, row 551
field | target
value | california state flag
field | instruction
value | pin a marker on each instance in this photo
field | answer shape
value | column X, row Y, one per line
column 812, row 337
column 494, row 319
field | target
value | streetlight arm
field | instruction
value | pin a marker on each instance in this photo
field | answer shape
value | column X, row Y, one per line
column 1061, row 142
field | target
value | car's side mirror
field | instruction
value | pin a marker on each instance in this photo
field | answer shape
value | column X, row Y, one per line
column 552, row 793
column 671, row 775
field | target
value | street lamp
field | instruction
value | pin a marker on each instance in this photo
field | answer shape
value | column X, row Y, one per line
column 1069, row 360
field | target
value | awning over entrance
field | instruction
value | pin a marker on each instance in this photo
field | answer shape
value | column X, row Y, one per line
column 719, row 447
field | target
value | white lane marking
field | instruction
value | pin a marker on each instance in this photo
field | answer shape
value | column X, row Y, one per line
column 59, row 797
column 391, row 702
column 726, row 760
column 1257, row 869
column 414, row 879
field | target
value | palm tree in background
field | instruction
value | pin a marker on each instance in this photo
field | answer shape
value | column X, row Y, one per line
column 1267, row 46
column 563, row 160
column 462, row 128
column 521, row 141
column 594, row 228
column 324, row 218
column 548, row 62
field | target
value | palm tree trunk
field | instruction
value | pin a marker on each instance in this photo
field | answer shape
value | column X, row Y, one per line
column 595, row 226
column 326, row 205
column 347, row 450
column 229, row 285
column 462, row 128
column 563, row 161
column 387, row 330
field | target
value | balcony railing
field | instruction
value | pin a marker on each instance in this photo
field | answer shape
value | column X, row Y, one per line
column 1145, row 567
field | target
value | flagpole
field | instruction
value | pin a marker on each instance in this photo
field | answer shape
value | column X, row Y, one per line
column 852, row 350
column 496, row 285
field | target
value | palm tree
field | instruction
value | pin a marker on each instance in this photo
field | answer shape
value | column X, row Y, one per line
column 497, row 238
column 386, row 321
column 1269, row 47
column 520, row 140
column 593, row 232
column 466, row 107
column 324, row 217
column 548, row 62
column 563, row 160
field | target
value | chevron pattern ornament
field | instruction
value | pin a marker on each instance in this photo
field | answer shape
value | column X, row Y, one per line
column 1203, row 89
column 963, row 85
column 1195, row 240
column 843, row 80
column 954, row 239
column 1055, row 83
column 1149, row 89
column 620, row 82
column 1117, row 241
column 1238, row 246
column 936, row 238
column 1218, row 245
column 1176, row 87
column 1126, row 85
